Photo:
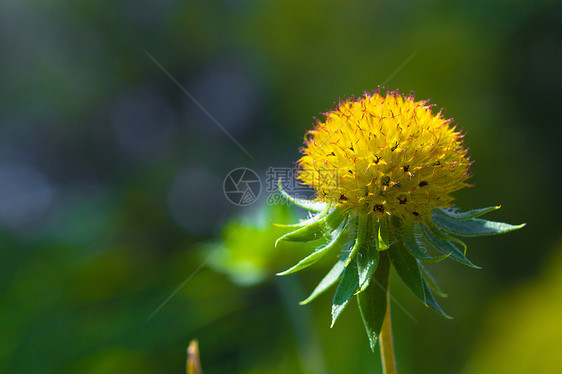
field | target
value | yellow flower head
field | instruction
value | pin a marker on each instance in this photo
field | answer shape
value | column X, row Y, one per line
column 385, row 155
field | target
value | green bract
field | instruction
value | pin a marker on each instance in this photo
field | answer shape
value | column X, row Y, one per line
column 366, row 248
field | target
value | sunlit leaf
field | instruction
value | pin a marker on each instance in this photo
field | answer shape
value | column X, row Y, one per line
column 314, row 206
column 473, row 226
column 338, row 239
column 367, row 257
column 328, row 281
column 455, row 214
column 315, row 230
column 360, row 238
column 383, row 239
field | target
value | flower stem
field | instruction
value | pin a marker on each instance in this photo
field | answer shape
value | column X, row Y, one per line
column 386, row 342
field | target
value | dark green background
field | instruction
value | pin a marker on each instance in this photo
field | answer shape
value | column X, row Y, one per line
column 111, row 180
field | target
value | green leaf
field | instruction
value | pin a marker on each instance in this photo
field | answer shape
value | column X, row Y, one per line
column 330, row 279
column 455, row 214
column 473, row 226
column 346, row 288
column 302, row 223
column 432, row 283
column 383, row 239
column 338, row 239
column 407, row 268
column 414, row 246
column 372, row 301
column 315, row 230
column 314, row 206
column 444, row 235
column 445, row 246
column 361, row 237
column 432, row 303
column 310, row 232
column 367, row 257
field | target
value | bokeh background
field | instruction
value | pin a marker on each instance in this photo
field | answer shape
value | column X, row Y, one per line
column 111, row 181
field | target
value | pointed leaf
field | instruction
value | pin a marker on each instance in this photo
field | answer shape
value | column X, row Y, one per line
column 302, row 223
column 335, row 217
column 328, row 281
column 444, row 235
column 346, row 288
column 446, row 247
column 432, row 283
column 314, row 206
column 414, row 246
column 360, row 238
column 455, row 214
column 372, row 301
column 338, row 238
column 367, row 257
column 383, row 239
column 308, row 233
column 407, row 268
column 473, row 226
column 316, row 230
column 432, row 303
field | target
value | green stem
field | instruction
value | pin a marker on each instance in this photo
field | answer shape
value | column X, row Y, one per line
column 386, row 342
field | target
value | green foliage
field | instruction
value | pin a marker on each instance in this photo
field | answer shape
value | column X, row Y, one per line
column 408, row 269
column 413, row 242
column 336, row 242
column 376, row 245
column 367, row 257
column 372, row 302
column 75, row 293
column 329, row 280
column 347, row 287
column 473, row 226
column 247, row 253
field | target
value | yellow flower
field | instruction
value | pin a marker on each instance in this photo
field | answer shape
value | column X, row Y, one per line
column 385, row 155
column 383, row 168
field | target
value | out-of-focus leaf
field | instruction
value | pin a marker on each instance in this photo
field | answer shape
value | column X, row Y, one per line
column 247, row 253
column 193, row 363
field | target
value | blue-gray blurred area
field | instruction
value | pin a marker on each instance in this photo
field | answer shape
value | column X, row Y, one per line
column 119, row 121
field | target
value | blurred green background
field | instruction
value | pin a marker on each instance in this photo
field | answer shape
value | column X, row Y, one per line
column 111, row 181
